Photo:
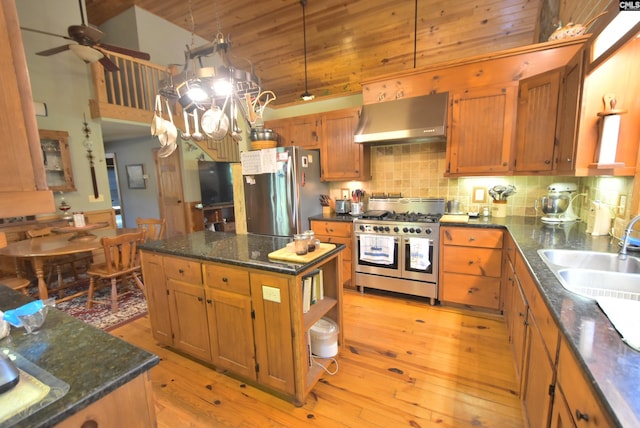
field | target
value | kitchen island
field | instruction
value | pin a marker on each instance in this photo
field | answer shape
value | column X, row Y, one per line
column 221, row 299
column 610, row 367
column 93, row 375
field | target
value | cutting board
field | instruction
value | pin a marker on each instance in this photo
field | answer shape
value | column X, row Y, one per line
column 288, row 254
column 454, row 218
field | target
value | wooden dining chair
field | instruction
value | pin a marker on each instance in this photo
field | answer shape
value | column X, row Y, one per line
column 11, row 280
column 121, row 261
column 153, row 226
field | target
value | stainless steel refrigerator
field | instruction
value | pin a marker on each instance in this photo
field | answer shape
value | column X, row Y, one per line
column 280, row 197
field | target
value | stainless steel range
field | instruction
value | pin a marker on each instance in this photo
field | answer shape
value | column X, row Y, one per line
column 396, row 246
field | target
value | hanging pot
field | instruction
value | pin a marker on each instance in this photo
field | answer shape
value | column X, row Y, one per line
column 215, row 122
column 171, row 130
column 158, row 123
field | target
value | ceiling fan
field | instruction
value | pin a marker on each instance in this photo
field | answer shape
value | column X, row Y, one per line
column 88, row 45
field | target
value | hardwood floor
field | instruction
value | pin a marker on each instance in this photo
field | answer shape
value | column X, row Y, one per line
column 405, row 363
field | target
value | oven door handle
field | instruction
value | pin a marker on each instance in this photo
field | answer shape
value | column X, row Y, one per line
column 395, row 238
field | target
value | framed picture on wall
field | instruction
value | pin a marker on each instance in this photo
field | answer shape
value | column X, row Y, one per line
column 135, row 176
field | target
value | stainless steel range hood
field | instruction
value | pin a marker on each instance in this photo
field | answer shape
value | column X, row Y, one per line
column 408, row 120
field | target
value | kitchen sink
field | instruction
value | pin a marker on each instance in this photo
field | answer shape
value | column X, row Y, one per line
column 594, row 283
column 592, row 260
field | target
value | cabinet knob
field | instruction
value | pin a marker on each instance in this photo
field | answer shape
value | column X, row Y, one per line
column 181, row 271
column 225, row 279
column 547, row 162
column 91, row 423
column 580, row 415
column 470, row 262
column 569, row 160
column 200, row 299
column 471, row 239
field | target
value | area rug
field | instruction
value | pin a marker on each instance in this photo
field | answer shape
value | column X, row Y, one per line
column 131, row 306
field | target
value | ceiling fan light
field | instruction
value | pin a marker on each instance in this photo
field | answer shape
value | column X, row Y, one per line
column 86, row 53
column 307, row 96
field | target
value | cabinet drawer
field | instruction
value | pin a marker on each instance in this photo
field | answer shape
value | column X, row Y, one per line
column 348, row 242
column 578, row 393
column 472, row 237
column 471, row 290
column 184, row 270
column 333, row 228
column 472, row 261
column 225, row 278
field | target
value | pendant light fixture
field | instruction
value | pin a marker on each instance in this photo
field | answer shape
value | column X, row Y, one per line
column 306, row 96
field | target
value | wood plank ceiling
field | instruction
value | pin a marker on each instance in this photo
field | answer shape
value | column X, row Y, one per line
column 348, row 41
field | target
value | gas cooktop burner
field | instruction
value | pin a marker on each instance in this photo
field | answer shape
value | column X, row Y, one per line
column 375, row 214
column 415, row 217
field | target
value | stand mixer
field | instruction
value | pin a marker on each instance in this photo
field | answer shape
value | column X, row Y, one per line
column 557, row 206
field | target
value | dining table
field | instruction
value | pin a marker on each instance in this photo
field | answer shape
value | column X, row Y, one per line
column 38, row 249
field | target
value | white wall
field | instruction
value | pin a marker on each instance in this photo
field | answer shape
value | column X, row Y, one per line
column 62, row 81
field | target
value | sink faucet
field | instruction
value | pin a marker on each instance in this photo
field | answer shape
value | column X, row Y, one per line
column 622, row 255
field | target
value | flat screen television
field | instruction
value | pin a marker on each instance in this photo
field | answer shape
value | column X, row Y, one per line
column 216, row 182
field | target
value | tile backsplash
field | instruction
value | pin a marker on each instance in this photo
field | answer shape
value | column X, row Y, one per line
column 417, row 170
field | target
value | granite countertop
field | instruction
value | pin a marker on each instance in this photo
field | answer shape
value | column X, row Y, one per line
column 334, row 217
column 250, row 251
column 611, row 365
column 92, row 362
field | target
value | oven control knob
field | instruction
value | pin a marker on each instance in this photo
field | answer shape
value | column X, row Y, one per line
column 418, row 230
column 411, row 230
column 386, row 228
column 405, row 230
column 428, row 231
column 375, row 228
column 396, row 229
column 362, row 227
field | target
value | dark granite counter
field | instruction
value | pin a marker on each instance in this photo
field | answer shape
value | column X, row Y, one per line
column 250, row 251
column 334, row 217
column 612, row 366
column 92, row 362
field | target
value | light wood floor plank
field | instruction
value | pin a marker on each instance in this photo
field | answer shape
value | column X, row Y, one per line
column 405, row 363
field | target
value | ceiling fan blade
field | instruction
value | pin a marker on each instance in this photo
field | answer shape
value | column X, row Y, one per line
column 53, row 51
column 46, row 33
column 125, row 51
column 108, row 64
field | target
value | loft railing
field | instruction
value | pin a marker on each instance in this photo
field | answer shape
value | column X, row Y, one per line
column 129, row 94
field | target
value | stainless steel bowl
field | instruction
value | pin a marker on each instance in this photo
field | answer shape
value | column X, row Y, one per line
column 554, row 204
column 257, row 134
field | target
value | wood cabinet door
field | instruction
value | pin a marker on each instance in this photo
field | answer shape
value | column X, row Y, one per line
column 518, row 321
column 281, row 128
column 538, row 380
column 189, row 319
column 584, row 407
column 303, row 131
column 560, row 414
column 157, row 298
column 569, row 114
column 536, row 120
column 342, row 158
column 482, row 130
column 273, row 334
column 231, row 332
